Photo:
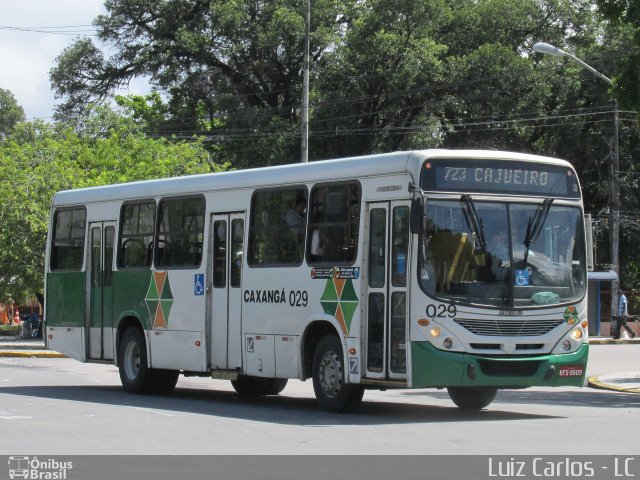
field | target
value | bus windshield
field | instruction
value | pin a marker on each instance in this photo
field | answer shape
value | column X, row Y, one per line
column 502, row 254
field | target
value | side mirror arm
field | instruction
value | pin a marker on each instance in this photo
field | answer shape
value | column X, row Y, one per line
column 416, row 216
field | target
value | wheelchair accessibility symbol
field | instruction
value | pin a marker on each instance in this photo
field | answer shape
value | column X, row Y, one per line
column 522, row 278
column 198, row 284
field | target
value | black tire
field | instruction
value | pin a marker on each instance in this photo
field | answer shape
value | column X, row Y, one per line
column 249, row 386
column 276, row 386
column 164, row 381
column 135, row 374
column 472, row 398
column 333, row 393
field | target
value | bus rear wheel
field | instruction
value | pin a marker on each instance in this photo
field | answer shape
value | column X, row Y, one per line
column 333, row 393
column 135, row 373
column 247, row 385
column 164, row 381
column 472, row 398
column 276, row 386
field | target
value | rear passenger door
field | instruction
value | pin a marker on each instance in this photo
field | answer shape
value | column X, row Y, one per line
column 227, row 243
column 99, row 291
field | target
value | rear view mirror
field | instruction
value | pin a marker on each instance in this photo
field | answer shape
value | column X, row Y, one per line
column 416, row 216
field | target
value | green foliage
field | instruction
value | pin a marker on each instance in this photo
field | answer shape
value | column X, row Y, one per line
column 148, row 111
column 10, row 330
column 10, row 112
column 40, row 159
column 626, row 85
column 375, row 83
column 80, row 74
column 237, row 61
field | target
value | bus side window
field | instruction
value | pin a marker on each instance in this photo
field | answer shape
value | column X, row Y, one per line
column 277, row 226
column 67, row 241
column 332, row 235
column 237, row 249
column 180, row 232
column 137, row 221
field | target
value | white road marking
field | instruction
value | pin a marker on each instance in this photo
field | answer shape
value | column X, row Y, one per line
column 149, row 410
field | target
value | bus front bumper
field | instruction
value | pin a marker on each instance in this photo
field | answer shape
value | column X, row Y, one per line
column 436, row 368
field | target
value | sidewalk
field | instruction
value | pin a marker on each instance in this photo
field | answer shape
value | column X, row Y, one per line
column 628, row 382
column 16, row 347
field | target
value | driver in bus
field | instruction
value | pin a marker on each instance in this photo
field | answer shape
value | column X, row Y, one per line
column 498, row 247
column 294, row 217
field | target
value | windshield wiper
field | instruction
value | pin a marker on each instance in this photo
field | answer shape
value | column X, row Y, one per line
column 534, row 226
column 475, row 223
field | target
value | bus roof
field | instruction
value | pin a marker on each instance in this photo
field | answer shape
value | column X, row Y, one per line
column 324, row 170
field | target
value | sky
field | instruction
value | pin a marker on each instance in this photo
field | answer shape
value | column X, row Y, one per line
column 26, row 56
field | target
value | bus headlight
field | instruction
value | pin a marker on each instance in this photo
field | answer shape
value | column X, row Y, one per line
column 441, row 338
column 571, row 341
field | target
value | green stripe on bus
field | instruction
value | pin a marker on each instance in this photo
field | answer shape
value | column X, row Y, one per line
column 65, row 299
column 436, row 368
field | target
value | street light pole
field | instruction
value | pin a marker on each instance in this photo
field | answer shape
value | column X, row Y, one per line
column 305, row 87
column 614, row 168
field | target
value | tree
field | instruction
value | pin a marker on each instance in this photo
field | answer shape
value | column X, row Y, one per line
column 236, row 61
column 10, row 112
column 385, row 75
column 149, row 111
column 374, row 85
column 454, row 73
column 626, row 13
column 40, row 159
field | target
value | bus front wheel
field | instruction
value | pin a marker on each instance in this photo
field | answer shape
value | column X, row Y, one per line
column 472, row 398
column 333, row 393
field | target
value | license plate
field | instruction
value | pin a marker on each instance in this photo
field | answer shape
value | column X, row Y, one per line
column 571, row 371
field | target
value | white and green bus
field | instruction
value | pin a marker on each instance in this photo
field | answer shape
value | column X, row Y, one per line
column 463, row 270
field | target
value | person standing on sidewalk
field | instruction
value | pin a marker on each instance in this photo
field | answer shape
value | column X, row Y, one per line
column 623, row 314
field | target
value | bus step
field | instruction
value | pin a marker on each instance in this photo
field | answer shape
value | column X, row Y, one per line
column 379, row 382
column 224, row 374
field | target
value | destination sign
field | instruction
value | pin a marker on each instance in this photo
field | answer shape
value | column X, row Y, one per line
column 495, row 176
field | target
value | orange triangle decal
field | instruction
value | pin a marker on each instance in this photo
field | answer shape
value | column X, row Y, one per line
column 340, row 318
column 159, row 321
column 160, row 278
column 339, row 283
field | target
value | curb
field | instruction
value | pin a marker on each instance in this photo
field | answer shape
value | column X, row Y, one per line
column 594, row 383
column 613, row 341
column 31, row 354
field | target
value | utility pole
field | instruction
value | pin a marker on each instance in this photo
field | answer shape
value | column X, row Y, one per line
column 305, row 86
column 614, row 209
column 613, row 171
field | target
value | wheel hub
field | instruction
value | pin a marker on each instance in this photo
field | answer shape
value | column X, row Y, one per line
column 330, row 374
column 132, row 361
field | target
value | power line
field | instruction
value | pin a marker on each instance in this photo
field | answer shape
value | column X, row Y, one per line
column 316, row 134
column 55, row 30
column 515, row 118
column 176, row 122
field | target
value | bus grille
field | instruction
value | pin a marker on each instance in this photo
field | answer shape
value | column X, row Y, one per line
column 509, row 369
column 509, row 327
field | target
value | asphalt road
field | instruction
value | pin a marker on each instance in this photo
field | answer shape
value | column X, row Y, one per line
column 63, row 407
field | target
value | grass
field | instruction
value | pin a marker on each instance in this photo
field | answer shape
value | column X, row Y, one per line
column 10, row 330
